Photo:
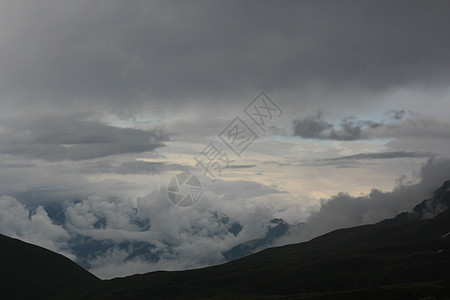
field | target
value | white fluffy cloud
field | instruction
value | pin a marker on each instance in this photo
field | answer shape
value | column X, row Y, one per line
column 33, row 226
column 184, row 237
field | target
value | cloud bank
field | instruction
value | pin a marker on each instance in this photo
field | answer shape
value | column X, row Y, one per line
column 344, row 210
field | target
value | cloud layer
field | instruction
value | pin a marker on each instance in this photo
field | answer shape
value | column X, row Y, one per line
column 144, row 52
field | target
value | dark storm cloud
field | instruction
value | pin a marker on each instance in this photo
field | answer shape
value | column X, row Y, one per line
column 350, row 129
column 136, row 51
column 73, row 137
column 381, row 155
column 311, row 126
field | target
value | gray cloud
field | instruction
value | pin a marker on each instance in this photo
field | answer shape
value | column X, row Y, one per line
column 380, row 155
column 315, row 127
column 73, row 137
column 312, row 126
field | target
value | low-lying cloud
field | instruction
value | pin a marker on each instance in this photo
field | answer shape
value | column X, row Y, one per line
column 344, row 210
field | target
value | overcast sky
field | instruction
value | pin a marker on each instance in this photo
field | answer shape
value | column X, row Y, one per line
column 106, row 100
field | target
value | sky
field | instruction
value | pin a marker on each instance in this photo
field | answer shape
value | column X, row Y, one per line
column 328, row 113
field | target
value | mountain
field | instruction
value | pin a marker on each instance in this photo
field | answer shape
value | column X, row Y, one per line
column 32, row 272
column 397, row 260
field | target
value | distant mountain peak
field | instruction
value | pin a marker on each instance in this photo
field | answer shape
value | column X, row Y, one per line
column 445, row 188
column 428, row 208
column 439, row 202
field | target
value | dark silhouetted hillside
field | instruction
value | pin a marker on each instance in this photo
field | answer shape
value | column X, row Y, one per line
column 32, row 272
